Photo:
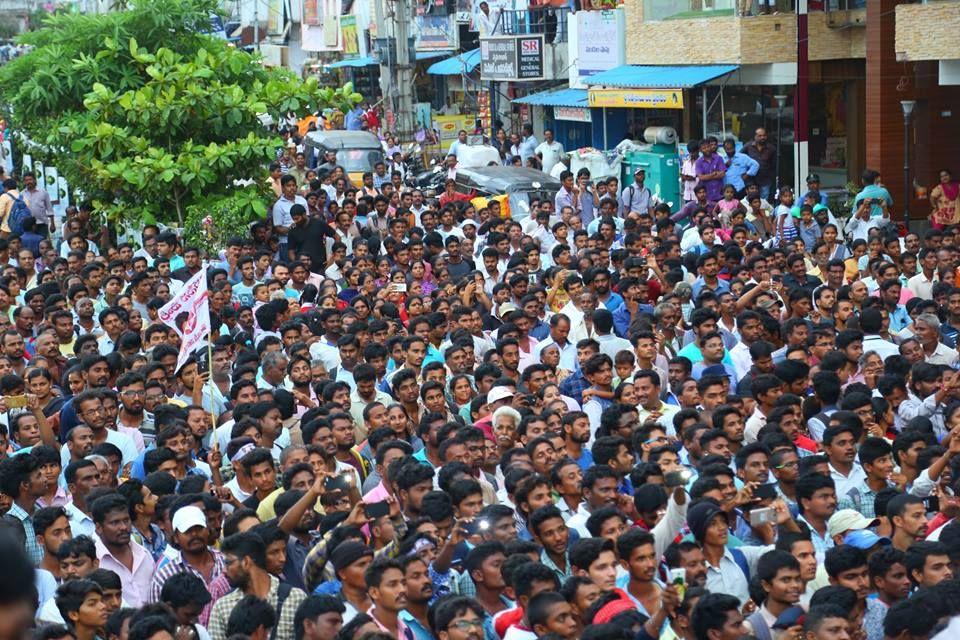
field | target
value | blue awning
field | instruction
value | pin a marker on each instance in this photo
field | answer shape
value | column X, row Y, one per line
column 457, row 65
column 660, row 77
column 366, row 61
column 556, row 98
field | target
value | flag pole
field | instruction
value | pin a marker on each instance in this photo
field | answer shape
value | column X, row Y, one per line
column 213, row 418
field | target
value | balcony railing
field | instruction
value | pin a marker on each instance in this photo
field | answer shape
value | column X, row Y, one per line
column 550, row 21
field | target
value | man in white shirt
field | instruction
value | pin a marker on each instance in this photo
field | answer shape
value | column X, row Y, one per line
column 549, row 151
column 921, row 285
column 282, row 220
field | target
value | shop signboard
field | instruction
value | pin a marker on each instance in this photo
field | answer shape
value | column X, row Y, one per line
column 511, row 58
column 636, row 98
column 600, row 41
column 572, row 114
column 436, row 33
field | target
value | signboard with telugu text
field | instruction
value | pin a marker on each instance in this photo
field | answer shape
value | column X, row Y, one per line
column 511, row 58
column 572, row 114
column 636, row 98
column 600, row 41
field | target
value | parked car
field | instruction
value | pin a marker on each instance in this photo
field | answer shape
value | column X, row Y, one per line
column 519, row 183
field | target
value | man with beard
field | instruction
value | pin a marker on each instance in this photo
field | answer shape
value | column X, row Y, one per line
column 420, row 593
column 300, row 376
column 638, row 556
column 22, row 480
column 118, row 552
column 267, row 415
column 428, row 430
column 364, row 392
column 388, row 592
column 299, row 529
column 46, row 346
column 82, row 477
column 687, row 555
column 245, row 562
column 344, row 437
column 576, row 434
column 190, row 536
column 412, row 481
column 131, row 391
column 908, row 515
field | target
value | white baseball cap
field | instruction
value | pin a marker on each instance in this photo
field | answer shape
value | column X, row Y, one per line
column 848, row 520
column 499, row 393
column 187, row 518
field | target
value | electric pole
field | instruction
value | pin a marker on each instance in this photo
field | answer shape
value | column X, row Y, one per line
column 396, row 77
column 404, row 75
column 256, row 24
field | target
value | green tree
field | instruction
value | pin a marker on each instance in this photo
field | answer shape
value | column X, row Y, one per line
column 147, row 114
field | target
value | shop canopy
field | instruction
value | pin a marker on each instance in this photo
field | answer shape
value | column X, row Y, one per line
column 366, row 61
column 457, row 65
column 659, row 77
column 556, row 98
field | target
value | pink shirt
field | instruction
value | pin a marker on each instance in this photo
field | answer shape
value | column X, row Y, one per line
column 402, row 632
column 378, row 494
column 60, row 499
column 135, row 582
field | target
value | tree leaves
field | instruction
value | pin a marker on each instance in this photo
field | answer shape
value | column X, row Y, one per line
column 152, row 116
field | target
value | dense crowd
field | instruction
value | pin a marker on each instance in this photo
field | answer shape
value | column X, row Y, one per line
column 418, row 418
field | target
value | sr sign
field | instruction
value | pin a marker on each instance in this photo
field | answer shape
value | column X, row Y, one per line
column 512, row 58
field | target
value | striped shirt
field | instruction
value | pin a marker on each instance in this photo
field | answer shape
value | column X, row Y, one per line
column 34, row 551
column 168, row 567
column 284, row 629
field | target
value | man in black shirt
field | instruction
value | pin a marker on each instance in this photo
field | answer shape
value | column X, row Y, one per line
column 456, row 265
column 307, row 235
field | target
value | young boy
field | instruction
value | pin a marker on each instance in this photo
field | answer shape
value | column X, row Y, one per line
column 81, row 604
column 779, row 574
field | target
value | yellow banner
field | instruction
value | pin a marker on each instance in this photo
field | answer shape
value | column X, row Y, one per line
column 450, row 126
column 636, row 98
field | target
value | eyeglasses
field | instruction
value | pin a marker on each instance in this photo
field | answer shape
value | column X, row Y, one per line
column 467, row 625
column 133, row 394
column 788, row 465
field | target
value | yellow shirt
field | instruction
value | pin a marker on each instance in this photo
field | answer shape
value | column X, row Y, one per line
column 265, row 510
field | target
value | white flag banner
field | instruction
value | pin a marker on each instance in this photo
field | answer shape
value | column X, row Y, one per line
column 188, row 313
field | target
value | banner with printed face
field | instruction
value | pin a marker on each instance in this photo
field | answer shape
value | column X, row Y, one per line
column 188, row 313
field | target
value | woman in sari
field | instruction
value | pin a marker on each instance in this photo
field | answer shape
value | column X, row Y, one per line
column 945, row 201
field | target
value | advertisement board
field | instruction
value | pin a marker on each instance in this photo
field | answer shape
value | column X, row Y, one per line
column 512, row 58
column 636, row 98
column 436, row 33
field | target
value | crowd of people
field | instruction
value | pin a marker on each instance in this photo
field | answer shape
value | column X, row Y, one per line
column 419, row 419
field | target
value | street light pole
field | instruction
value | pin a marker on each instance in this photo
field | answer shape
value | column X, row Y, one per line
column 907, row 106
column 781, row 102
